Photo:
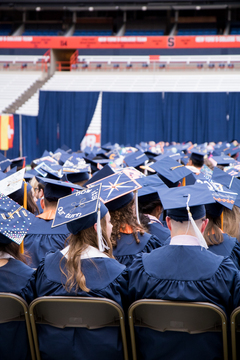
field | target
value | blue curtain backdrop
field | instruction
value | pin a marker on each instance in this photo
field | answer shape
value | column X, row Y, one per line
column 134, row 117
column 64, row 118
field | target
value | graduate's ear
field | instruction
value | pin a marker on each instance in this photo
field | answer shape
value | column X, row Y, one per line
column 169, row 225
column 42, row 203
column 95, row 227
column 204, row 225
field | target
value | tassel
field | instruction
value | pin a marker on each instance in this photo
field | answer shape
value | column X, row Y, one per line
column 25, row 206
column 202, row 241
column 136, row 204
column 184, row 181
column 99, row 230
column 221, row 221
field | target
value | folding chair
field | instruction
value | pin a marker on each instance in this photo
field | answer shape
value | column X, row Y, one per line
column 14, row 308
column 67, row 311
column 190, row 317
column 235, row 327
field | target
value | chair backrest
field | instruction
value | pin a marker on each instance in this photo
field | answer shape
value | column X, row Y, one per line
column 235, row 327
column 190, row 317
column 14, row 308
column 87, row 312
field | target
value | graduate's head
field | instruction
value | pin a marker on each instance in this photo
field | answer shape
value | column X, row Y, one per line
column 185, row 227
column 186, row 214
column 89, row 223
column 83, row 212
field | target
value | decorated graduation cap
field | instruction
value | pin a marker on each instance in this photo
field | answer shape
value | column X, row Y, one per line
column 220, row 193
column 54, row 171
column 48, row 160
column 12, row 183
column 223, row 160
column 14, row 221
column 55, row 189
column 80, row 211
column 170, row 171
column 117, row 190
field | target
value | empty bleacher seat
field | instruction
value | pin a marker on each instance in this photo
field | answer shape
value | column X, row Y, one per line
column 14, row 84
column 144, row 32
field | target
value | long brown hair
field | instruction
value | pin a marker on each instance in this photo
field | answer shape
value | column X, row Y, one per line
column 231, row 221
column 77, row 244
column 13, row 249
column 122, row 217
column 212, row 233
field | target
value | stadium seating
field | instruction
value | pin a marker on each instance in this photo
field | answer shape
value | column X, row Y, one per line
column 134, row 82
column 13, row 84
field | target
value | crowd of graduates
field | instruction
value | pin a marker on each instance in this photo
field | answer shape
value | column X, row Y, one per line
column 153, row 221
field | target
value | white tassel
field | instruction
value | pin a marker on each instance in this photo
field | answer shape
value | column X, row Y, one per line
column 102, row 244
column 99, row 230
column 136, row 204
column 202, row 241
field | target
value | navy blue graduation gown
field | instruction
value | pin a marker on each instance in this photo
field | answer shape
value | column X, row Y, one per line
column 42, row 238
column 105, row 277
column 161, row 232
column 127, row 248
column 16, row 278
column 229, row 247
column 183, row 273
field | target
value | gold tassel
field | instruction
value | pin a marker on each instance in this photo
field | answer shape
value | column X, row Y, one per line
column 184, row 181
column 25, row 206
column 221, row 221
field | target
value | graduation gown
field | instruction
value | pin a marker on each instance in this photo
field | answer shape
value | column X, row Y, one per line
column 183, row 273
column 127, row 248
column 105, row 277
column 41, row 238
column 229, row 247
column 161, row 232
column 16, row 278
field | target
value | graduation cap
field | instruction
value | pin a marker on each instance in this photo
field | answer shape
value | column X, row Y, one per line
column 230, row 183
column 170, row 171
column 48, row 160
column 220, row 193
column 66, row 148
column 149, row 190
column 19, row 162
column 177, row 156
column 14, row 221
column 55, row 189
column 101, row 174
column 80, row 211
column 233, row 150
column 176, row 200
column 136, row 159
column 197, row 155
column 53, row 172
column 12, row 183
column 97, row 164
column 77, row 175
column 223, row 160
column 117, row 190
column 4, row 162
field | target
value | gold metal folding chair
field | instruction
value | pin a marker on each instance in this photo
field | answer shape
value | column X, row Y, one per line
column 14, row 308
column 190, row 317
column 67, row 311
